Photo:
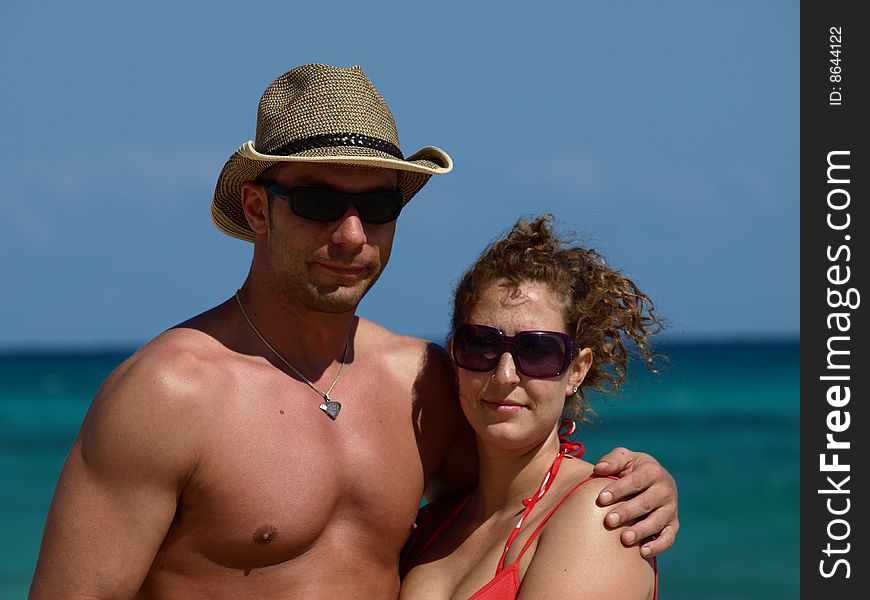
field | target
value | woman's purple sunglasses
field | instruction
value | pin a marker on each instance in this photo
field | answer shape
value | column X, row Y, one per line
column 542, row 354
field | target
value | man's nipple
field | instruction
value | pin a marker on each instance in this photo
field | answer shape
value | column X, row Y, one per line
column 266, row 534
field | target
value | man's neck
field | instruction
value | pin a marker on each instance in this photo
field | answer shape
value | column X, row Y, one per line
column 310, row 340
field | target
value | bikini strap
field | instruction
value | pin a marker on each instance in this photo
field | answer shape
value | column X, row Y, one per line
column 444, row 525
column 568, row 447
column 550, row 514
column 529, row 504
column 571, row 447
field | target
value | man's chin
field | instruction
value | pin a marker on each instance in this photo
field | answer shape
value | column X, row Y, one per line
column 338, row 298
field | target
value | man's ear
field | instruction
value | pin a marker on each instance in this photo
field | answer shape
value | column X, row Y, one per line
column 577, row 371
column 255, row 205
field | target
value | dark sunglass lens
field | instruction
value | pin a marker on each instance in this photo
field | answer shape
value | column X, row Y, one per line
column 378, row 208
column 540, row 354
column 476, row 350
column 318, row 204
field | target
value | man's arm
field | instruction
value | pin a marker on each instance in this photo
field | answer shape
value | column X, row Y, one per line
column 645, row 491
column 117, row 493
column 444, row 436
column 458, row 472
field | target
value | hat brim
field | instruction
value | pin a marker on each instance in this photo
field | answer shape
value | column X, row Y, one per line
column 246, row 164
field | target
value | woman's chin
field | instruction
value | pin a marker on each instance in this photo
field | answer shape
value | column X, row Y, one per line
column 509, row 435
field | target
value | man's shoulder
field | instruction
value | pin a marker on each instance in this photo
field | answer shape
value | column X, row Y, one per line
column 383, row 335
column 182, row 349
column 398, row 346
column 421, row 364
column 157, row 399
column 179, row 365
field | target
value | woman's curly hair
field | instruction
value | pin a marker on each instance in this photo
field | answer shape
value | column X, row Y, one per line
column 603, row 309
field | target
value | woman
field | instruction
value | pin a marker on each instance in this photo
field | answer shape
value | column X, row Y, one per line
column 534, row 325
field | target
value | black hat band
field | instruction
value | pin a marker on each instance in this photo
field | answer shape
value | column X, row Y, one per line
column 338, row 139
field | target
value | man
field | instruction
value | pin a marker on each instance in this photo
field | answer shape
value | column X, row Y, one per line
column 277, row 446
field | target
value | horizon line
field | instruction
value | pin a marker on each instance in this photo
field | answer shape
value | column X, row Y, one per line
column 58, row 348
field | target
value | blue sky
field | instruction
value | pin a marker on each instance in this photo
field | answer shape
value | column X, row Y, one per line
column 665, row 134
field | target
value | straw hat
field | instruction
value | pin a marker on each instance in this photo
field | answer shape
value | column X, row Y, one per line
column 318, row 113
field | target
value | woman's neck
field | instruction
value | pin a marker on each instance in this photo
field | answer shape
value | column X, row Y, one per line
column 506, row 477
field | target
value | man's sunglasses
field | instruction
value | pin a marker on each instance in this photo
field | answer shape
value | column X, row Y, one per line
column 541, row 354
column 323, row 204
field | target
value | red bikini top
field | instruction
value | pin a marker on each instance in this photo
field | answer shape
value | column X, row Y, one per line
column 505, row 585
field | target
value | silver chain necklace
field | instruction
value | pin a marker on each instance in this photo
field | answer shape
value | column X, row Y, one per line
column 329, row 406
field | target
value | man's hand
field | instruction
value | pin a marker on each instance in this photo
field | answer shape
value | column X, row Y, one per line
column 645, row 491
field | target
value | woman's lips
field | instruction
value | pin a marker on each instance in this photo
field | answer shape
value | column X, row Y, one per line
column 503, row 406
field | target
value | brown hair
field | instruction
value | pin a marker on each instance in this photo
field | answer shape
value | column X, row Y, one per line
column 602, row 308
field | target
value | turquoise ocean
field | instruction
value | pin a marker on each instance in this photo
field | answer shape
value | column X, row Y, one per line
column 722, row 417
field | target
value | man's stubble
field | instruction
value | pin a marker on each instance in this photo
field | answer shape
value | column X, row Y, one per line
column 292, row 278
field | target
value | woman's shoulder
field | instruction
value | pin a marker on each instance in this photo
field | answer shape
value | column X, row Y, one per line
column 576, row 529
column 576, row 493
column 573, row 472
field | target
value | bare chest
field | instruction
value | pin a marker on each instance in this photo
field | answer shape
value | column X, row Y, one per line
column 281, row 481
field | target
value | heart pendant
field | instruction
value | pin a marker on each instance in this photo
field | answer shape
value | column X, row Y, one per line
column 331, row 408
